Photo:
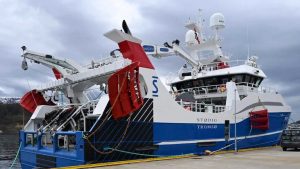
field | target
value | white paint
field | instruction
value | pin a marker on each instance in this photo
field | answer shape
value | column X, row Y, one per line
column 232, row 95
column 167, row 110
column 38, row 114
column 216, row 140
column 100, row 107
column 42, row 110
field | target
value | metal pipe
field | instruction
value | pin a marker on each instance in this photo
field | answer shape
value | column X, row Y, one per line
column 235, row 140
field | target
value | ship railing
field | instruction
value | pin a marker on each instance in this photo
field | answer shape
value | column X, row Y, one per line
column 83, row 109
column 202, row 90
column 242, row 87
column 264, row 89
column 104, row 61
column 91, row 94
column 202, row 107
column 251, row 87
column 89, row 106
column 217, row 65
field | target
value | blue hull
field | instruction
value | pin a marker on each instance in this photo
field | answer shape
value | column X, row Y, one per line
column 168, row 138
column 174, row 136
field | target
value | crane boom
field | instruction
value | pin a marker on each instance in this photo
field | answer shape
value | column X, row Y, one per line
column 159, row 52
column 63, row 66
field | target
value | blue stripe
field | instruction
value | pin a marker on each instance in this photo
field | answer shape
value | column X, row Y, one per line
column 174, row 132
column 164, row 49
column 148, row 48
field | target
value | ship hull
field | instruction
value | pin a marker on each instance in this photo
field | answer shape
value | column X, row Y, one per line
column 145, row 138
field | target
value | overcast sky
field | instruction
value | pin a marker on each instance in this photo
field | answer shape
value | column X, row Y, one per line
column 74, row 29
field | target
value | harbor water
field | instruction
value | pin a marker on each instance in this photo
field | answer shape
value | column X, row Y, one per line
column 8, row 149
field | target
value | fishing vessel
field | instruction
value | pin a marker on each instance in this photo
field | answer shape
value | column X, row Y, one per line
column 117, row 108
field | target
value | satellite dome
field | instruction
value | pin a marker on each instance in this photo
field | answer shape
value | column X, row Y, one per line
column 217, row 21
column 190, row 37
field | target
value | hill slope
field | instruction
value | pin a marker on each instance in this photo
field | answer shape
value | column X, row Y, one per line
column 11, row 117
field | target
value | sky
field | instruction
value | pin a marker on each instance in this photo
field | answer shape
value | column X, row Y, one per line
column 74, row 30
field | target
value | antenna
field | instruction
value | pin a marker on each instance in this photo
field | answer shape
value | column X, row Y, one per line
column 200, row 17
column 247, row 30
column 200, row 24
column 248, row 43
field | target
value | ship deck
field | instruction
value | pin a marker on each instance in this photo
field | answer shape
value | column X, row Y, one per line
column 263, row 158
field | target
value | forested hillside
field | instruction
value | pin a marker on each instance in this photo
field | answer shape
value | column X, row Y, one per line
column 11, row 117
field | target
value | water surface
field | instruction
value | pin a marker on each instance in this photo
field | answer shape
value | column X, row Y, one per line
column 8, row 149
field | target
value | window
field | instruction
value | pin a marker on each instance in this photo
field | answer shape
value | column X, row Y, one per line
column 178, row 86
column 214, row 81
column 201, row 82
column 252, row 80
column 208, row 82
column 238, row 78
column 195, row 83
column 188, row 84
column 224, row 80
column 174, row 88
column 247, row 78
column 259, row 80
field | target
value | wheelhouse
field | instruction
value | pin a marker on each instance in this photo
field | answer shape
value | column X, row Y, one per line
column 239, row 79
column 209, row 94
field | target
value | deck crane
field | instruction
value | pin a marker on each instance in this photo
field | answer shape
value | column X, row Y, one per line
column 64, row 67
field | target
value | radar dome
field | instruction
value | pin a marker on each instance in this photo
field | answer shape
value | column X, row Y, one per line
column 217, row 21
column 190, row 37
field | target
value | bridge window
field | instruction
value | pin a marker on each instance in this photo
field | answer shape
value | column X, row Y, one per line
column 224, row 80
column 238, row 78
column 259, row 80
column 247, row 78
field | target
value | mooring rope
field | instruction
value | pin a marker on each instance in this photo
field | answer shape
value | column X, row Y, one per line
column 17, row 155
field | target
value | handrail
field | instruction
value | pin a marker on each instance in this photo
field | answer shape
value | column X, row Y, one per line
column 51, row 122
column 75, row 113
column 230, row 63
column 212, row 89
column 103, row 61
column 201, row 107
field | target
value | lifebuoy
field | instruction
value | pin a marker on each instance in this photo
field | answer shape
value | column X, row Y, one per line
column 222, row 88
